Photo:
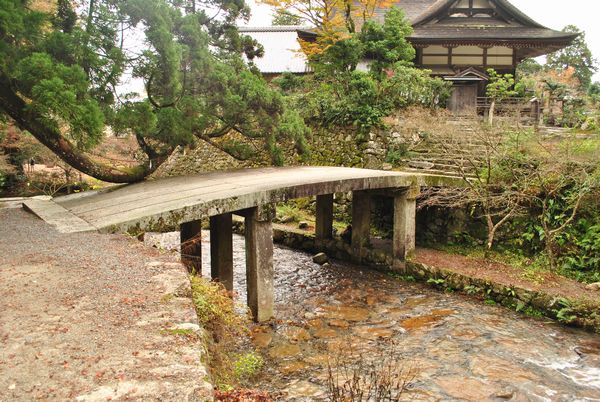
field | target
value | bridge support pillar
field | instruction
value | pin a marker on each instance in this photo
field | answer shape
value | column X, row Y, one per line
column 259, row 262
column 221, row 250
column 403, row 246
column 190, row 236
column 324, row 221
column 361, row 224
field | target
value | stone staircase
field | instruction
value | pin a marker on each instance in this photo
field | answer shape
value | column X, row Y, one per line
column 462, row 154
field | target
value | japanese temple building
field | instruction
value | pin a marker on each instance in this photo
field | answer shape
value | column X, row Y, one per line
column 457, row 40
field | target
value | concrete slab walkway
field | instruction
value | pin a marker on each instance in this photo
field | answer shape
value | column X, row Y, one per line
column 165, row 203
column 91, row 317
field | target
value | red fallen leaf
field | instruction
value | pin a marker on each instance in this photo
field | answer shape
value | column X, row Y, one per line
column 65, row 364
column 99, row 374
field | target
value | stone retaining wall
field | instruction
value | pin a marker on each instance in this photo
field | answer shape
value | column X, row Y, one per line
column 570, row 312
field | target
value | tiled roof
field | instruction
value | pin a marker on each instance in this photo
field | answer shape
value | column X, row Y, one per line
column 462, row 32
column 282, row 50
column 412, row 8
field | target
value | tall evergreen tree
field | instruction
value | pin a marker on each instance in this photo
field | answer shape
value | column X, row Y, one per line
column 578, row 55
column 60, row 70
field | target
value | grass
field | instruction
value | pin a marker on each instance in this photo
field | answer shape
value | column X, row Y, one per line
column 301, row 210
column 179, row 332
column 291, row 213
column 532, row 268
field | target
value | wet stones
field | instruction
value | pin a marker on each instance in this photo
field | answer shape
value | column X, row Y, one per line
column 325, row 333
column 296, row 334
column 373, row 333
column 422, row 321
column 320, row 258
column 348, row 313
column 343, row 324
column 262, row 339
column 284, row 351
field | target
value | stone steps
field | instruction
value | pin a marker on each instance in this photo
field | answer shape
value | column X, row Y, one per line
column 453, row 156
column 452, row 173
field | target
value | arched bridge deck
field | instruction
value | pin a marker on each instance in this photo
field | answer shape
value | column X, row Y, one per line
column 184, row 201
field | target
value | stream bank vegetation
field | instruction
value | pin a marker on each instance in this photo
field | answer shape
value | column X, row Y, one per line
column 233, row 362
column 537, row 198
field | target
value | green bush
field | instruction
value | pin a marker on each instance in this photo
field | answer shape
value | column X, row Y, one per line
column 363, row 99
column 582, row 260
column 247, row 366
column 396, row 153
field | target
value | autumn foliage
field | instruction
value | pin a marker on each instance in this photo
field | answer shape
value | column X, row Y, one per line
column 333, row 20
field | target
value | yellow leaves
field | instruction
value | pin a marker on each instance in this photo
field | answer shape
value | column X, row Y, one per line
column 365, row 9
column 44, row 6
column 331, row 19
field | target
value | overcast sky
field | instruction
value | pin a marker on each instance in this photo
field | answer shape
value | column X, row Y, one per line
column 552, row 13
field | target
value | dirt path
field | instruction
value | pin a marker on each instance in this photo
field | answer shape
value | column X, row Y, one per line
column 546, row 281
column 93, row 317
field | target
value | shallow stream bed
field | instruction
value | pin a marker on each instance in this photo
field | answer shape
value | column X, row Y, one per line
column 452, row 347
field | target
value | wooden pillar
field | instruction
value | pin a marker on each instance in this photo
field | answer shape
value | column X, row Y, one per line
column 259, row 262
column 221, row 250
column 190, row 237
column 403, row 246
column 324, row 222
column 361, row 224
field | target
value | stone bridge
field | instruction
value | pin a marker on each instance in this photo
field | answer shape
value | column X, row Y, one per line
column 251, row 193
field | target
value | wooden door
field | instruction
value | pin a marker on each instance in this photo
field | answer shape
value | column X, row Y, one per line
column 464, row 99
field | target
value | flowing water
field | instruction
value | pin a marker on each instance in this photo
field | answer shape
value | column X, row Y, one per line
column 450, row 346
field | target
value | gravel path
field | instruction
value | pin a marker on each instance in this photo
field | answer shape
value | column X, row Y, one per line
column 91, row 317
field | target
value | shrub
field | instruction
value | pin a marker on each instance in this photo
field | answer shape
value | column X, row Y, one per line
column 396, row 153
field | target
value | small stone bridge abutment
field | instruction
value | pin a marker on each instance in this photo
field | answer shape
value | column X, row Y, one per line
column 252, row 194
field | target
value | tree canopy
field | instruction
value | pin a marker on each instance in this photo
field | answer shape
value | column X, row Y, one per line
column 333, row 20
column 339, row 93
column 283, row 17
column 577, row 55
column 62, row 70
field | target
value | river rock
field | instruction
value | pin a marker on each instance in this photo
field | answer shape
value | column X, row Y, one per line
column 593, row 286
column 324, row 333
column 320, row 258
column 286, row 219
column 339, row 324
column 296, row 334
column 326, row 265
column 262, row 339
column 284, row 351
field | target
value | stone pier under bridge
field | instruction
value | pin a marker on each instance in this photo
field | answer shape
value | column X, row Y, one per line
column 183, row 202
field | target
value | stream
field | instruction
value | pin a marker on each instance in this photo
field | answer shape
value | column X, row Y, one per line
column 448, row 346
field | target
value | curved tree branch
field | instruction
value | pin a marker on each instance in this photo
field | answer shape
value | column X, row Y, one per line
column 170, row 104
column 27, row 119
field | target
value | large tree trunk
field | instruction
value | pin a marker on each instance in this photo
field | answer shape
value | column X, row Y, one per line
column 27, row 119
